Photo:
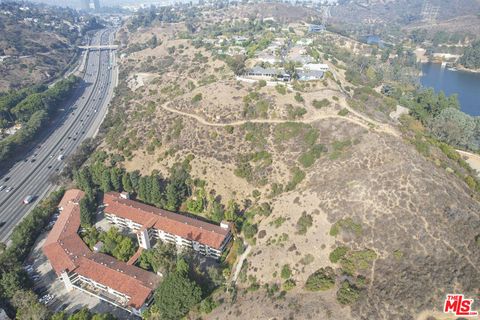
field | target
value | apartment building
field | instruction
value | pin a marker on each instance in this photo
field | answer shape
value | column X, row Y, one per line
column 119, row 283
column 151, row 223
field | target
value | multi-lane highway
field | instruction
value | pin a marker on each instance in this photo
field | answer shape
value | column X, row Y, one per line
column 80, row 119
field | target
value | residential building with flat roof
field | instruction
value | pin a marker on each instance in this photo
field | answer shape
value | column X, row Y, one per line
column 150, row 223
column 119, row 283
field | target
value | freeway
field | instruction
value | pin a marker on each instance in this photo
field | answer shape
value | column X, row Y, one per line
column 80, row 119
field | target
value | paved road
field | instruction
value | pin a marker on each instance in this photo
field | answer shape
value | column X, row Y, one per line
column 80, row 119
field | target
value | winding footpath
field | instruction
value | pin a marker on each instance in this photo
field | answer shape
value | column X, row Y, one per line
column 358, row 119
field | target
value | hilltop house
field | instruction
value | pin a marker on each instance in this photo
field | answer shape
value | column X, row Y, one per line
column 268, row 74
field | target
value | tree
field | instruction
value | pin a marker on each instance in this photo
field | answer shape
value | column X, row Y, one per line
column 232, row 211
column 454, row 127
column 216, row 211
column 135, row 180
column 161, row 258
column 177, row 189
column 124, row 250
column 153, row 42
column 249, row 230
column 320, row 280
column 82, row 314
column 84, row 181
column 11, row 281
column 28, row 307
column 106, row 183
column 347, row 293
column 87, row 210
column 471, row 57
column 103, row 316
column 126, row 182
column 156, row 194
column 236, row 64
column 116, row 178
column 176, row 295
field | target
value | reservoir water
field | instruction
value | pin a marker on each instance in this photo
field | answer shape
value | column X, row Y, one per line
column 465, row 84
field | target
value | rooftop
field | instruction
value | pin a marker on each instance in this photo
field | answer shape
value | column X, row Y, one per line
column 66, row 251
column 178, row 224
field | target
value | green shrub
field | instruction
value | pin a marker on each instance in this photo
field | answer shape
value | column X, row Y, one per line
column 307, row 259
column 207, row 305
column 298, row 176
column 338, row 253
column 286, row 271
column 289, row 284
column 303, row 223
column 347, row 293
column 346, row 224
column 357, row 260
column 249, row 230
column 343, row 112
column 298, row 97
column 197, row 98
column 309, row 157
column 278, row 222
column 281, row 89
column 229, row 129
column 422, row 146
column 318, row 104
column 321, row 280
column 262, row 83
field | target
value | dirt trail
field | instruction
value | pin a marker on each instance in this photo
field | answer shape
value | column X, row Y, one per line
column 360, row 120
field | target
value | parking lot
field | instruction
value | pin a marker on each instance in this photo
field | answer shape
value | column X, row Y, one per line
column 52, row 291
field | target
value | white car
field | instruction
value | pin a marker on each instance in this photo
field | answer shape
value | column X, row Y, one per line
column 2, row 187
column 9, row 189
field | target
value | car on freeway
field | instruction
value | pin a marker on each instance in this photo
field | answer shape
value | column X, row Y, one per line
column 6, row 179
column 60, row 157
column 9, row 189
column 1, row 188
column 28, row 199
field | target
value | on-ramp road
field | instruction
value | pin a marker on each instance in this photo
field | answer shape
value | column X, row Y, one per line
column 81, row 119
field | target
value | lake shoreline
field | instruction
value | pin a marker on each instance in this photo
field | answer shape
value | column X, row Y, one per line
column 464, row 83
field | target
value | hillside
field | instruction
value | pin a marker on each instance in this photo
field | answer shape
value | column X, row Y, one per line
column 370, row 218
column 37, row 43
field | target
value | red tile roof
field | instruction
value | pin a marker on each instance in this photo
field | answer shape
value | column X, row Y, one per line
column 67, row 252
column 173, row 223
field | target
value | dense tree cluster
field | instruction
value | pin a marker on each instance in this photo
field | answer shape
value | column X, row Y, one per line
column 176, row 295
column 145, row 18
column 471, row 57
column 82, row 314
column 114, row 243
column 442, row 116
column 154, row 189
column 32, row 108
column 14, row 282
column 162, row 258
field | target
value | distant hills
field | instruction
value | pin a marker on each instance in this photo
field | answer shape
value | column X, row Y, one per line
column 403, row 11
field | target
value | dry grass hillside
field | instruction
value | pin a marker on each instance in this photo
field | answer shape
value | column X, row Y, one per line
column 335, row 178
column 34, row 53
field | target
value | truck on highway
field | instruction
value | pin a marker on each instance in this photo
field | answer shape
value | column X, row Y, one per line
column 60, row 157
